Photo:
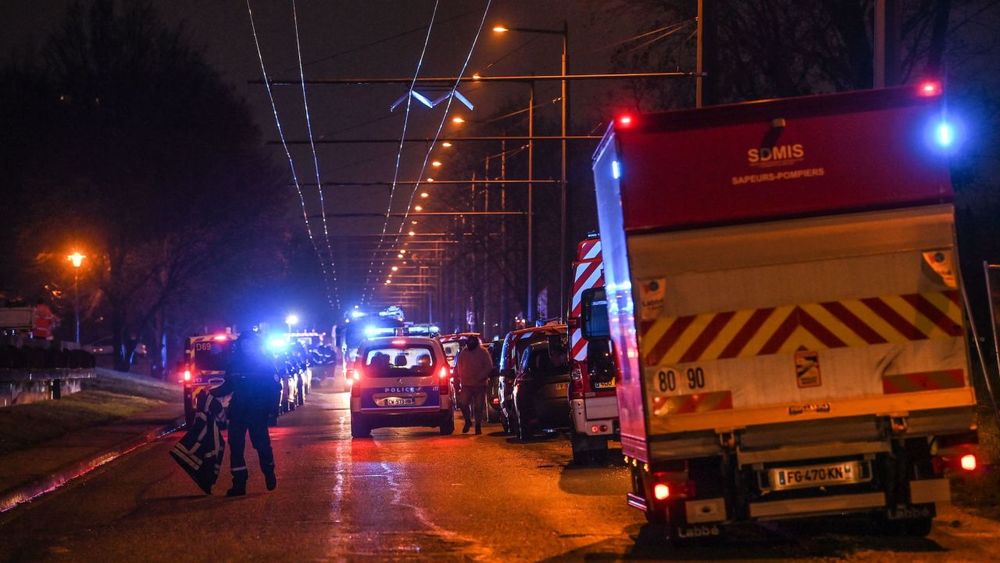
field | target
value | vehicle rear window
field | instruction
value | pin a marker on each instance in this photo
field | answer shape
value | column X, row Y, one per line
column 399, row 361
column 452, row 348
column 211, row 356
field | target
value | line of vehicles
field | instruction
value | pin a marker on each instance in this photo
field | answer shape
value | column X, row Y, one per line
column 772, row 321
column 301, row 360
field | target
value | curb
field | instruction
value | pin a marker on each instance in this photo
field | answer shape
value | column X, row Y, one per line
column 12, row 498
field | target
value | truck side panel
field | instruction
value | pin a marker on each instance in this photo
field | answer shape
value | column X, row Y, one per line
column 618, row 285
column 815, row 330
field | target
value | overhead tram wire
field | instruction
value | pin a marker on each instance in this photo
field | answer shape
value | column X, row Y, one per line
column 312, row 146
column 288, row 154
column 444, row 116
column 399, row 151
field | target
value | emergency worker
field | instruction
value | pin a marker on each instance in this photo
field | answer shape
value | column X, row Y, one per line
column 473, row 369
column 252, row 382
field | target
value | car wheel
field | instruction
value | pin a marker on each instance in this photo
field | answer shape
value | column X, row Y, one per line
column 448, row 424
column 359, row 429
column 523, row 430
column 492, row 414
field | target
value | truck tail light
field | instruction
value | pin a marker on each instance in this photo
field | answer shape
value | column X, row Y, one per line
column 671, row 485
column 576, row 381
column 661, row 491
column 969, row 462
column 187, row 375
column 929, row 88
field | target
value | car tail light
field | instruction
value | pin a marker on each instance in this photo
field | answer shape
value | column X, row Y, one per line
column 969, row 462
column 356, row 374
column 625, row 120
column 187, row 375
column 445, row 373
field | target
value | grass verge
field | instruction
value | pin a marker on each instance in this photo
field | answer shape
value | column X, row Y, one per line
column 106, row 398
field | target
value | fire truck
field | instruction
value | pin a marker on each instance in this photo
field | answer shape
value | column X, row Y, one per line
column 593, row 373
column 204, row 366
column 785, row 303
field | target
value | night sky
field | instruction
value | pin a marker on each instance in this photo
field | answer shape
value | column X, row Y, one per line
column 337, row 41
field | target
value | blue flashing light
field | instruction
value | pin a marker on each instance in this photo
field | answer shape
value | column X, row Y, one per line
column 355, row 314
column 370, row 331
column 277, row 344
column 616, row 170
column 944, row 134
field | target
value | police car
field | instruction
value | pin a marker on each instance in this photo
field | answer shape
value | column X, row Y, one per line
column 401, row 381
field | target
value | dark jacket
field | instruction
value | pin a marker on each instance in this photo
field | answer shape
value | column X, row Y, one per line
column 252, row 381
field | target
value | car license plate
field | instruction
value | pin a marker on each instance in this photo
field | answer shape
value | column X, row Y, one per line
column 604, row 384
column 816, row 475
column 562, row 387
column 399, row 401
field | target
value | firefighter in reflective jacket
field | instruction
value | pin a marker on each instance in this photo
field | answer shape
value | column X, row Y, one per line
column 250, row 379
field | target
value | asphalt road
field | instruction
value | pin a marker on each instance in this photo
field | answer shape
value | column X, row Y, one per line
column 411, row 494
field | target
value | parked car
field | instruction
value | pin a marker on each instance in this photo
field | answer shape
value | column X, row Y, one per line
column 502, row 387
column 401, row 381
column 540, row 390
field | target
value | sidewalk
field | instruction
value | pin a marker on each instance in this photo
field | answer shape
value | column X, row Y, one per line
column 28, row 472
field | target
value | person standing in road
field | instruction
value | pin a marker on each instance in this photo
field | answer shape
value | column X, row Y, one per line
column 473, row 369
column 251, row 380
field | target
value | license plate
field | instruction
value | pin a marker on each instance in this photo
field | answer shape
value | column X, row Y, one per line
column 816, row 475
column 399, row 401
column 604, row 384
column 561, row 387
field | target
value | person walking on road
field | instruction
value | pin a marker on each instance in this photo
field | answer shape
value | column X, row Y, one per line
column 473, row 369
column 251, row 380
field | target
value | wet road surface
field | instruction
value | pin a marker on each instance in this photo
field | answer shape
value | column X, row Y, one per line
column 411, row 494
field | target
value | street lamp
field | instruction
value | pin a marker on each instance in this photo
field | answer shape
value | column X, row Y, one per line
column 291, row 320
column 76, row 259
column 564, row 99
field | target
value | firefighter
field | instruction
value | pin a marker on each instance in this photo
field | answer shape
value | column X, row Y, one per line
column 251, row 380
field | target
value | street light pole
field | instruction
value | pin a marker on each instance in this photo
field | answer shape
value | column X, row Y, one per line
column 529, row 306
column 562, row 186
column 76, row 302
column 76, row 259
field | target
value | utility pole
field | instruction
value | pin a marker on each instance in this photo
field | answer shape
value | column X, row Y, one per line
column 563, row 207
column 530, row 303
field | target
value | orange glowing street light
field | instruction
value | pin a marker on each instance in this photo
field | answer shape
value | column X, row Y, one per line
column 500, row 29
column 76, row 259
column 436, row 164
column 418, row 208
column 425, row 195
column 446, row 144
column 457, row 120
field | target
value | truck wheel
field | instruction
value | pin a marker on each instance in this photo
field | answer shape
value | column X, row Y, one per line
column 581, row 455
column 188, row 409
column 358, row 427
column 913, row 527
column 448, row 424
